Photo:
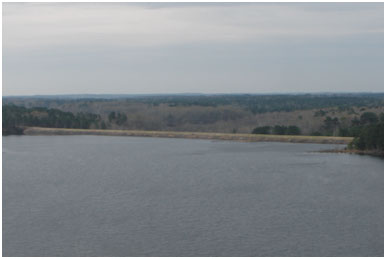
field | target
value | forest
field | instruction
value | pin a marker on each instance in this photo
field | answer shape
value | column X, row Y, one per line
column 17, row 117
column 354, row 115
column 249, row 102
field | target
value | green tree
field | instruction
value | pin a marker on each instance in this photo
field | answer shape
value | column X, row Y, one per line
column 261, row 130
column 279, row 130
column 293, row 130
column 111, row 116
column 331, row 126
column 371, row 137
column 121, row 119
column 368, row 118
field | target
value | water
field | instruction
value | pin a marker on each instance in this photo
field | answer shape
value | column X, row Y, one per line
column 130, row 196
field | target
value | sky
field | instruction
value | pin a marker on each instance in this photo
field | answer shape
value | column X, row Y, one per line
column 161, row 48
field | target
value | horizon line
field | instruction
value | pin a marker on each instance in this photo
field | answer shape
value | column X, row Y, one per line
column 192, row 93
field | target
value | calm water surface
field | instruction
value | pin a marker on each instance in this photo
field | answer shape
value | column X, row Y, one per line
column 128, row 196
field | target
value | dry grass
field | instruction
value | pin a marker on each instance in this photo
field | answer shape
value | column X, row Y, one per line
column 190, row 135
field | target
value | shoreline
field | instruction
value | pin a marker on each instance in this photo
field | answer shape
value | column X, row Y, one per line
column 375, row 153
column 32, row 131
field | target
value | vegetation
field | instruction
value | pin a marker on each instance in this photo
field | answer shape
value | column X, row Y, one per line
column 192, row 135
column 16, row 117
column 370, row 134
column 337, row 115
column 119, row 119
column 262, row 130
column 277, row 130
column 269, row 103
column 250, row 102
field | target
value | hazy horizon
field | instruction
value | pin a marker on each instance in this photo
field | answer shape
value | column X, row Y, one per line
column 193, row 94
column 199, row 48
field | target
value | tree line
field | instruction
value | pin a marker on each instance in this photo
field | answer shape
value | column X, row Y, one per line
column 367, row 129
column 268, row 103
column 369, row 134
column 335, row 127
column 17, row 117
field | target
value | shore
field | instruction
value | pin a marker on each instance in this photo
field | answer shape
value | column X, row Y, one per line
column 190, row 135
column 377, row 153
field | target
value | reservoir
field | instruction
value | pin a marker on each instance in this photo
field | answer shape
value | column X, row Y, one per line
column 136, row 196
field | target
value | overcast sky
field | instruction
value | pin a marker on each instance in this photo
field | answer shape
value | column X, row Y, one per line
column 128, row 48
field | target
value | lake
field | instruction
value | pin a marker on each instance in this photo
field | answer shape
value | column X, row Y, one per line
column 134, row 196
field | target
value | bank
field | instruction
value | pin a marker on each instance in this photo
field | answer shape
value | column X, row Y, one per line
column 375, row 152
column 191, row 135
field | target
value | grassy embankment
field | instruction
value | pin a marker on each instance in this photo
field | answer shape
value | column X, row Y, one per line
column 191, row 135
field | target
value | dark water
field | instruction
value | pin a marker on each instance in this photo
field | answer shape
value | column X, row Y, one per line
column 123, row 196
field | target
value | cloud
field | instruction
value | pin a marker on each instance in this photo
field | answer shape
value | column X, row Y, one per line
column 53, row 48
column 32, row 25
